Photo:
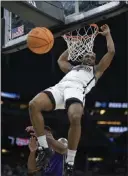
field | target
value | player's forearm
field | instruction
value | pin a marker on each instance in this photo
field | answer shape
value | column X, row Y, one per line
column 110, row 44
column 65, row 66
column 63, row 63
column 32, row 162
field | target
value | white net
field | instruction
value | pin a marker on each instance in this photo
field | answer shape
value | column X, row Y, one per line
column 81, row 41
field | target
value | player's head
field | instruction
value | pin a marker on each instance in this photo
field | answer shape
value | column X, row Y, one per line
column 89, row 59
column 63, row 141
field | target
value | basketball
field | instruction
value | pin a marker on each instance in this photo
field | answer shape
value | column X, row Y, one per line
column 40, row 40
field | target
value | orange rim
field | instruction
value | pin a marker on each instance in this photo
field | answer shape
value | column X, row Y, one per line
column 93, row 25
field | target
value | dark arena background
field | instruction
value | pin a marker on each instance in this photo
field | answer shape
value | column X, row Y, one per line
column 103, row 146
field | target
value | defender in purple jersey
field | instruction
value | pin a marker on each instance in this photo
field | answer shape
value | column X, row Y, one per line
column 56, row 164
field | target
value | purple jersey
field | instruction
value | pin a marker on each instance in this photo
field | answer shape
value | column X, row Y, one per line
column 55, row 166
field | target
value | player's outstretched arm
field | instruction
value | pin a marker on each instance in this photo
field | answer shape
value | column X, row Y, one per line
column 32, row 169
column 63, row 63
column 108, row 57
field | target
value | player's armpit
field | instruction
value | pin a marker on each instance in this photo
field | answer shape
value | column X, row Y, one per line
column 103, row 64
column 63, row 63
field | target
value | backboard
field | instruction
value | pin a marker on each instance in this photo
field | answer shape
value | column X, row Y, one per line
column 59, row 16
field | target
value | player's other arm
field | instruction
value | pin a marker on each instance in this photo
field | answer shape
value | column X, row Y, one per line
column 108, row 57
column 32, row 169
column 57, row 146
column 63, row 63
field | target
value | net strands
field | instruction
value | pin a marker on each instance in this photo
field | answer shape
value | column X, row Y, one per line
column 81, row 41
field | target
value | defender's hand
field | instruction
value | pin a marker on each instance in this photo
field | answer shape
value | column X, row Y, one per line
column 105, row 30
column 33, row 144
column 49, row 136
column 29, row 129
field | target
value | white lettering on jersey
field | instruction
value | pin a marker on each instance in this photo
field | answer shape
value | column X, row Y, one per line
column 82, row 74
column 88, row 69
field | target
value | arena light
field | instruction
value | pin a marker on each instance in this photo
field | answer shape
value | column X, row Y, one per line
column 12, row 139
column 10, row 95
column 4, row 151
column 100, row 104
column 118, row 129
column 92, row 113
column 111, row 105
column 102, row 111
column 23, row 106
column 94, row 159
column 22, row 141
column 117, row 105
column 108, row 122
column 126, row 112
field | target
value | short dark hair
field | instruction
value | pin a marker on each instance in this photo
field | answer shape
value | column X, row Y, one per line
column 47, row 128
column 50, row 130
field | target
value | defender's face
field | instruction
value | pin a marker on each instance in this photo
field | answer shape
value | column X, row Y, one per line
column 47, row 132
column 89, row 59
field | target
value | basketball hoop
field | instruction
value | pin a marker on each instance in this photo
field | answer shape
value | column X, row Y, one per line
column 81, row 41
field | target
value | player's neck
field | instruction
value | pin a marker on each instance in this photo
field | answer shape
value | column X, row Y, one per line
column 86, row 65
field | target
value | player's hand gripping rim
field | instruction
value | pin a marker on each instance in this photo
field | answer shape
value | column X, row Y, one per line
column 105, row 30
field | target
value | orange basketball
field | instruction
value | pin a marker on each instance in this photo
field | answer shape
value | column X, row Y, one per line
column 40, row 40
